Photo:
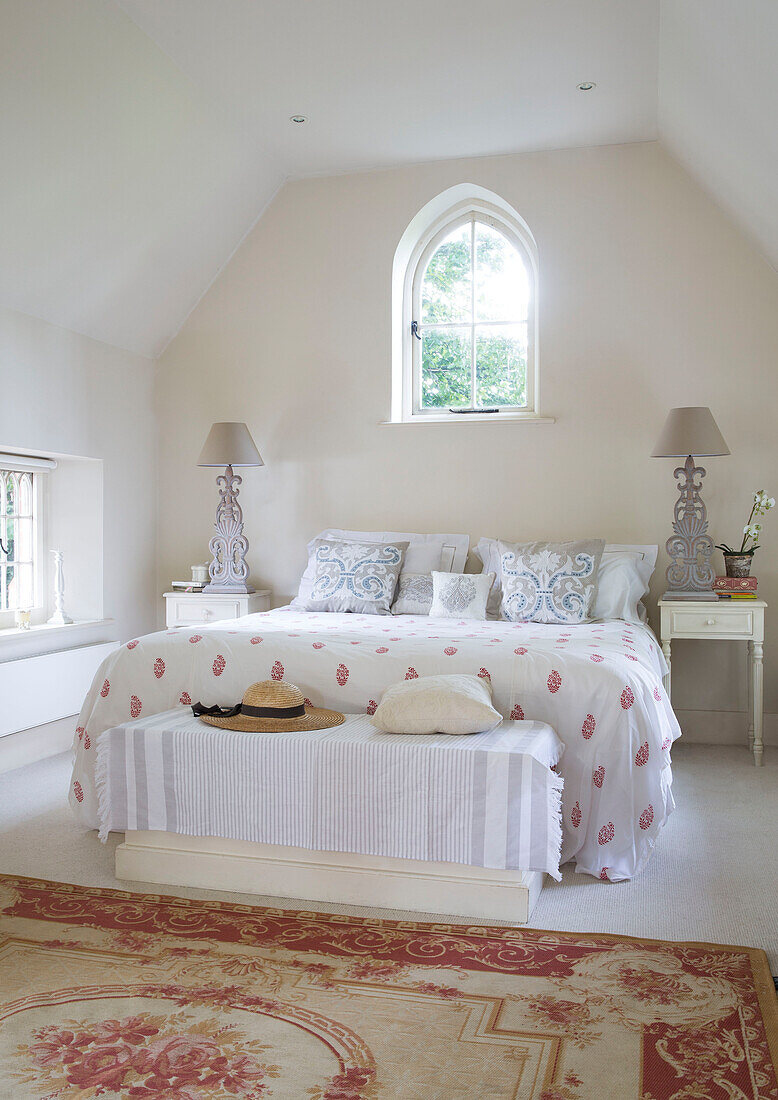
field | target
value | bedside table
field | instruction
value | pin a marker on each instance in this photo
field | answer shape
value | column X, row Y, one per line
column 199, row 608
column 724, row 620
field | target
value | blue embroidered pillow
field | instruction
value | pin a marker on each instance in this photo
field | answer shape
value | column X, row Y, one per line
column 354, row 576
column 547, row 582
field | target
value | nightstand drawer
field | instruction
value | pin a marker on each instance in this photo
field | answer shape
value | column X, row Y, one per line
column 701, row 624
column 191, row 612
column 202, row 608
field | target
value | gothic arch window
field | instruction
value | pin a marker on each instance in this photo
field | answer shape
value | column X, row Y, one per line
column 465, row 310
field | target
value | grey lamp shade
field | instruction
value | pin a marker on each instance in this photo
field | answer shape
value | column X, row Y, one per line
column 229, row 444
column 690, row 431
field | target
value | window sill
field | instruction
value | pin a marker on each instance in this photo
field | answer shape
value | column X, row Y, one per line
column 26, row 643
column 474, row 418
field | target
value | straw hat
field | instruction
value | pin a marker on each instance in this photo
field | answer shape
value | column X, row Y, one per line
column 273, row 706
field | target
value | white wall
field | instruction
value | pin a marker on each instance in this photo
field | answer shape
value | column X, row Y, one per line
column 64, row 393
column 650, row 298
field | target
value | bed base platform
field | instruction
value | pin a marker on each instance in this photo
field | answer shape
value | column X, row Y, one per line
column 274, row 870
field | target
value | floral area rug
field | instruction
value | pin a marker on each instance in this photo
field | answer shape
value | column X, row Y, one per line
column 106, row 993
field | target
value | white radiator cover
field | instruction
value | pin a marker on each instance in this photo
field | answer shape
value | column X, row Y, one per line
column 48, row 686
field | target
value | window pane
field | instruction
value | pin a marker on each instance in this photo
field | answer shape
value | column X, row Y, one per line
column 20, row 586
column 446, row 286
column 24, row 497
column 8, row 576
column 7, row 526
column 23, row 550
column 501, row 282
column 445, row 368
column 501, row 365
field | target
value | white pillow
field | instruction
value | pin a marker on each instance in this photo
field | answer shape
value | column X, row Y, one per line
column 460, row 595
column 438, row 704
column 488, row 551
column 424, row 553
column 624, row 576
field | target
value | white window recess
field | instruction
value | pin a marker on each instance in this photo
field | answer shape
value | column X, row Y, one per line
column 465, row 314
column 66, row 494
column 22, row 540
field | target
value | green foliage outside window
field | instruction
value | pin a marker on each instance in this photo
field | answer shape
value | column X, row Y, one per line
column 447, row 301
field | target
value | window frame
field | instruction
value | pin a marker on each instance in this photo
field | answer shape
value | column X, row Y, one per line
column 406, row 385
column 472, row 218
column 39, row 607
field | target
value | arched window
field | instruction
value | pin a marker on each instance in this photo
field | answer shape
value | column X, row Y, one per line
column 467, row 342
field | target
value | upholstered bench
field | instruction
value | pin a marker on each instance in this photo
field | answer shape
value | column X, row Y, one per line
column 463, row 825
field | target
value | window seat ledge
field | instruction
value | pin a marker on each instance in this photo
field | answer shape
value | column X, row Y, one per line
column 46, row 637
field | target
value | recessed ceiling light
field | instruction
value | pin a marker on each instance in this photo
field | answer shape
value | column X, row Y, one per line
column 299, row 119
column 586, row 86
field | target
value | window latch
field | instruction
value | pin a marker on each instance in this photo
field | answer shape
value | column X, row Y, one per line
column 3, row 549
column 415, row 329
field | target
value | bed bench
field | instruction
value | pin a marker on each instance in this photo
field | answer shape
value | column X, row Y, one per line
column 460, row 825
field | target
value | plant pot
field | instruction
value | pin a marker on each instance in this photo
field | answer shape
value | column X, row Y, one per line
column 738, row 565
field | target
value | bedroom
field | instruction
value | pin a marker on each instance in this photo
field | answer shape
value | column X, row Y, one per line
column 177, row 252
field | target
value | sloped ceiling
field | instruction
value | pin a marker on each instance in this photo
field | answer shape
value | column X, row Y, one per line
column 718, row 104
column 141, row 139
column 122, row 189
column 388, row 83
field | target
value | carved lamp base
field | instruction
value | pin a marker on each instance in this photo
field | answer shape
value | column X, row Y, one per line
column 690, row 574
column 238, row 589
column 228, row 570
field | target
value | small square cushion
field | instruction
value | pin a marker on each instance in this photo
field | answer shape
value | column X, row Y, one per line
column 414, row 594
column 354, row 576
column 456, row 704
column 550, row 582
column 460, row 595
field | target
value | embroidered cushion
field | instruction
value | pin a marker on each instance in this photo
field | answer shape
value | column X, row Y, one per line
column 414, row 594
column 438, row 704
column 424, row 553
column 354, row 576
column 547, row 582
column 453, row 553
column 460, row 595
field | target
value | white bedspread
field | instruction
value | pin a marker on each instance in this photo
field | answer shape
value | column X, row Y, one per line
column 487, row 800
column 598, row 685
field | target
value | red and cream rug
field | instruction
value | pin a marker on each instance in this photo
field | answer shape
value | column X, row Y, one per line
column 106, row 993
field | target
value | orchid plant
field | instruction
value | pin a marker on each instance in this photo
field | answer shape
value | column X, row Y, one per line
column 751, row 532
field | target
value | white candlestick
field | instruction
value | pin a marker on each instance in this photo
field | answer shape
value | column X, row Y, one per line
column 59, row 618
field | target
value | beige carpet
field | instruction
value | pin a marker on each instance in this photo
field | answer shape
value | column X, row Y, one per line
column 713, row 876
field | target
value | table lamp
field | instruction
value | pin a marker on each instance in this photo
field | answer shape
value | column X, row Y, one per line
column 229, row 445
column 690, row 431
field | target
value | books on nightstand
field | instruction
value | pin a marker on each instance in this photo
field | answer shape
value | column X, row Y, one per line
column 735, row 588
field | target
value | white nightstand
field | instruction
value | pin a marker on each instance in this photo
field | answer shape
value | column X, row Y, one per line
column 727, row 620
column 199, row 608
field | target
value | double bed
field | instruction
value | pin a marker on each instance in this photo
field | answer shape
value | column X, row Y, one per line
column 598, row 684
